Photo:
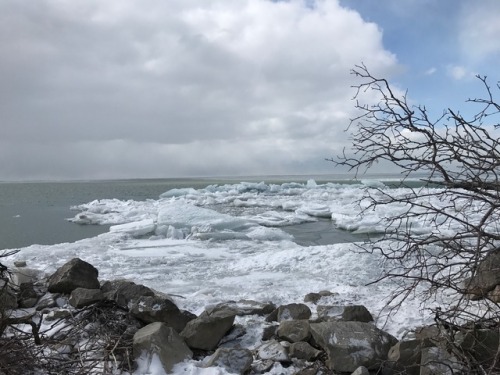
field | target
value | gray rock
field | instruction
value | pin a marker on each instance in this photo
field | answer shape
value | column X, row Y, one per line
column 81, row 297
column 57, row 314
column 487, row 276
column 20, row 263
column 47, row 301
column 124, row 291
column 315, row 297
column 158, row 339
column 151, row 309
column 405, row 356
column 361, row 370
column 294, row 330
column 494, row 295
column 27, row 296
column 262, row 366
column 330, row 312
column 436, row 360
column 269, row 332
column 483, row 344
column 244, row 307
column 303, row 350
column 207, row 330
column 237, row 361
column 350, row 345
column 292, row 311
column 8, row 298
column 74, row 274
column 357, row 313
column 273, row 350
column 231, row 338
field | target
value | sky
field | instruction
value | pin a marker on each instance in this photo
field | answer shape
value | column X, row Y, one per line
column 94, row 89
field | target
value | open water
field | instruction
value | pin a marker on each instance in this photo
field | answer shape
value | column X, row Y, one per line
column 37, row 212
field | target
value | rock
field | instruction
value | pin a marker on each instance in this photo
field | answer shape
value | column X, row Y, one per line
column 231, row 338
column 150, row 309
column 57, row 314
column 361, row 370
column 487, row 276
column 20, row 263
column 269, row 332
column 81, row 297
column 405, row 356
column 74, row 274
column 124, row 291
column 483, row 344
column 350, row 345
column 303, row 350
column 315, row 297
column 262, row 366
column 436, row 360
column 158, row 339
column 237, row 361
column 8, row 298
column 292, row 311
column 273, row 350
column 244, row 307
column 47, row 301
column 494, row 295
column 294, row 330
column 207, row 330
column 27, row 296
column 357, row 313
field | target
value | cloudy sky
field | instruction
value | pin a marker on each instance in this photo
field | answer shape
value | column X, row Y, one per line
column 135, row 89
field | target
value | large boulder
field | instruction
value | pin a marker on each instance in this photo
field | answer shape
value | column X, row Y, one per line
column 244, row 307
column 483, row 345
column 124, row 291
column 292, row 311
column 81, row 297
column 273, row 350
column 158, row 339
column 350, row 345
column 149, row 309
column 405, row 356
column 74, row 274
column 436, row 360
column 207, row 330
column 486, row 278
column 303, row 350
column 294, row 330
column 358, row 313
column 235, row 360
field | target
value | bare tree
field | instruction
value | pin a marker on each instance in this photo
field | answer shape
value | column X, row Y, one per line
column 443, row 242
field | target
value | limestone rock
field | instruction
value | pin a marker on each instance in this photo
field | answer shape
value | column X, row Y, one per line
column 244, row 307
column 487, row 276
column 81, row 297
column 361, row 370
column 436, row 360
column 292, row 311
column 151, row 309
column 303, row 350
column 22, row 275
column 273, row 350
column 74, row 274
column 124, row 291
column 352, row 344
column 158, row 339
column 207, row 330
column 294, row 330
column 237, row 361
column 358, row 313
column 315, row 297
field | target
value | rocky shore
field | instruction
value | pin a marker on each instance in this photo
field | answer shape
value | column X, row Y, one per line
column 71, row 322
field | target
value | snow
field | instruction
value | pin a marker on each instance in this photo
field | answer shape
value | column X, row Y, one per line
column 226, row 242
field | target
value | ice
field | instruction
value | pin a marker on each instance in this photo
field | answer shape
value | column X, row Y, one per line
column 225, row 242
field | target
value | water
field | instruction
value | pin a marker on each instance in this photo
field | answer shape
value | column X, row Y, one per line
column 36, row 212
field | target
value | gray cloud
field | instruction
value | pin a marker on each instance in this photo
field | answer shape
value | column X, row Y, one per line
column 94, row 89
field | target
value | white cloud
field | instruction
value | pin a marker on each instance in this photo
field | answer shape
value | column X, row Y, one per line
column 479, row 30
column 430, row 71
column 458, row 72
column 248, row 86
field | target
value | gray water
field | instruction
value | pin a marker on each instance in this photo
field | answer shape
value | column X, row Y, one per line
column 36, row 212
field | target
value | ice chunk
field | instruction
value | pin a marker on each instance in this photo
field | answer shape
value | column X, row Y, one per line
column 136, row 228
